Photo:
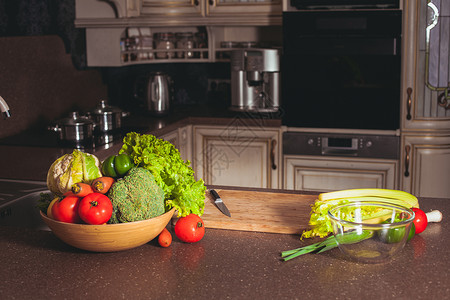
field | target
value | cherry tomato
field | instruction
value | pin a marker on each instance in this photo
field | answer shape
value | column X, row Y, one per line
column 95, row 209
column 66, row 210
column 190, row 229
column 165, row 238
column 420, row 220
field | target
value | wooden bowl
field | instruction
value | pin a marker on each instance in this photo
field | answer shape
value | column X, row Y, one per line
column 109, row 237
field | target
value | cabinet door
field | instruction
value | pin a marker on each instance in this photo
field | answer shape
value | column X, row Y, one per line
column 221, row 7
column 237, row 155
column 426, row 170
column 172, row 8
column 426, row 67
column 318, row 173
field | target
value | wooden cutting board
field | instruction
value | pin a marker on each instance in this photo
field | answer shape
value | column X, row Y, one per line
column 273, row 212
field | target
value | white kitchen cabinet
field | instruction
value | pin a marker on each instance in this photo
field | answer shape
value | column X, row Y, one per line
column 108, row 24
column 238, row 155
column 425, row 113
column 249, row 8
column 426, row 168
column 328, row 173
column 180, row 8
column 210, row 8
column 178, row 12
column 426, row 65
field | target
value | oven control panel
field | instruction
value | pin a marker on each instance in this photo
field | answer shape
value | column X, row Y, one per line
column 371, row 146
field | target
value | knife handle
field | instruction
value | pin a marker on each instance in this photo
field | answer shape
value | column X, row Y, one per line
column 214, row 194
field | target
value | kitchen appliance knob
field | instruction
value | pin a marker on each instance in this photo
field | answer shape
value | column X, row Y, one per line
column 310, row 142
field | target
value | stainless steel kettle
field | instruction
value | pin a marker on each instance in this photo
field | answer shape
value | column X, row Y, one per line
column 155, row 90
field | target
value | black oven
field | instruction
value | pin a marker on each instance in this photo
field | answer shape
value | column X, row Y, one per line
column 341, row 68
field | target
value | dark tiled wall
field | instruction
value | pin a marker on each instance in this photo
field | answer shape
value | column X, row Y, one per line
column 43, row 72
column 190, row 83
column 43, row 75
column 40, row 83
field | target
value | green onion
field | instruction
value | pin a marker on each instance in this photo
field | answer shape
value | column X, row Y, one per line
column 327, row 244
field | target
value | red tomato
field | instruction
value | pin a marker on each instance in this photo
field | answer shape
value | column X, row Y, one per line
column 95, row 209
column 66, row 210
column 165, row 238
column 190, row 229
column 420, row 220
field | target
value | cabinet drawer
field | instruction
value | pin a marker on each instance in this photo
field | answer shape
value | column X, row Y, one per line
column 311, row 173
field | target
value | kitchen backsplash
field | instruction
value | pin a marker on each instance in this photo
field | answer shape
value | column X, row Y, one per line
column 190, row 83
column 40, row 83
column 43, row 73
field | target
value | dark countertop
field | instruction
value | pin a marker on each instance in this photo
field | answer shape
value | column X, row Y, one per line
column 225, row 264
column 28, row 156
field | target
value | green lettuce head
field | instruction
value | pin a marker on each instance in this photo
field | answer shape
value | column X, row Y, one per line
column 171, row 172
column 70, row 169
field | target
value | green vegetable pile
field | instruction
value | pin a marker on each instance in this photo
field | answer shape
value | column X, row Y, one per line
column 136, row 197
column 170, row 171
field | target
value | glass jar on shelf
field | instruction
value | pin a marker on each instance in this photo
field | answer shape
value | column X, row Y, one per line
column 130, row 48
column 146, row 48
column 250, row 44
column 185, row 42
column 201, row 43
column 123, row 49
column 226, row 54
column 164, row 41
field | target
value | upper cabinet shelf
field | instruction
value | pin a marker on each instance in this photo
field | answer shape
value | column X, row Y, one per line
column 94, row 13
column 126, row 32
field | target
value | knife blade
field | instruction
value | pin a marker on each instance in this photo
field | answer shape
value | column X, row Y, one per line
column 219, row 203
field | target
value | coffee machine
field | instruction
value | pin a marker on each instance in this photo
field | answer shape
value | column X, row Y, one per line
column 255, row 80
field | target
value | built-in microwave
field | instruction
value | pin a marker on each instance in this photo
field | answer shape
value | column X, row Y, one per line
column 341, row 69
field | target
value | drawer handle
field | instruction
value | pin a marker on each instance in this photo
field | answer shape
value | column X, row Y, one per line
column 407, row 159
column 211, row 2
column 408, row 103
column 196, row 2
column 272, row 154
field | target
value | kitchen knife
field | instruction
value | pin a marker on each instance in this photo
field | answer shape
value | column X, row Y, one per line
column 219, row 203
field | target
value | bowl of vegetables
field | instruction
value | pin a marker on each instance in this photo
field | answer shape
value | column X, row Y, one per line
column 371, row 231
column 124, row 201
column 109, row 237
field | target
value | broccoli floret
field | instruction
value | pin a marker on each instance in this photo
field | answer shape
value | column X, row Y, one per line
column 136, row 197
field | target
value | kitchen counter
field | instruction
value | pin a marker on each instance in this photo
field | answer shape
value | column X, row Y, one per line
column 225, row 264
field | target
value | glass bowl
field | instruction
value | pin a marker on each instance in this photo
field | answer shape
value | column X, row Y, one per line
column 371, row 232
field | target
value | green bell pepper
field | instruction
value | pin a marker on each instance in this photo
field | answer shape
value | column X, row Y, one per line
column 395, row 235
column 117, row 165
